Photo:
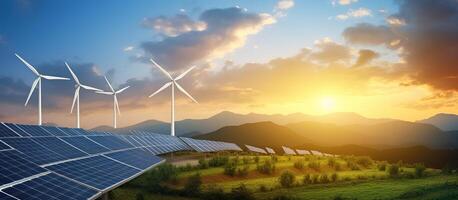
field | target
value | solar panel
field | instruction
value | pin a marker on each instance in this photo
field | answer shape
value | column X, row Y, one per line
column 17, row 129
column 60, row 147
column 15, row 166
column 210, row 146
column 302, row 152
column 50, row 186
column 288, row 151
column 3, row 146
column 132, row 140
column 54, row 131
column 316, row 153
column 270, row 150
column 98, row 171
column 136, row 157
column 111, row 142
column 255, row 149
column 33, row 130
column 4, row 196
column 35, row 152
column 70, row 131
column 84, row 144
column 6, row 132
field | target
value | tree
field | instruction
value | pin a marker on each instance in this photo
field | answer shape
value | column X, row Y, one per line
column 192, row 186
column 287, row 179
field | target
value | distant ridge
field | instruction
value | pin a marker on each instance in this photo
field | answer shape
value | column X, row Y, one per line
column 444, row 121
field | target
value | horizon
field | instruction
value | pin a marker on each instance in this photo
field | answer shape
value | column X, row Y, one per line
column 365, row 57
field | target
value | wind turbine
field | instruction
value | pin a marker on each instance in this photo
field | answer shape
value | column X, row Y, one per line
column 76, row 97
column 34, row 84
column 173, row 83
column 115, row 99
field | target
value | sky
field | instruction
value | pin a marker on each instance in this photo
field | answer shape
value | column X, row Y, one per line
column 381, row 59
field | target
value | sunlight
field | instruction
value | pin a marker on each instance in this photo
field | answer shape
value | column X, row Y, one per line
column 328, row 103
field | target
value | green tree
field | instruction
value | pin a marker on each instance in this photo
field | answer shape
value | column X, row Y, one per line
column 287, row 179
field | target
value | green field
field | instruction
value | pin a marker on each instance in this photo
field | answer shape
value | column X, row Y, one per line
column 354, row 178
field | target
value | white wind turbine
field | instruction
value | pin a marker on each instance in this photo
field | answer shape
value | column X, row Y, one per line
column 173, row 83
column 76, row 97
column 34, row 84
column 115, row 99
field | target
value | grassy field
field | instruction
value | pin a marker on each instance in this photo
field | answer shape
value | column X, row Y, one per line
column 355, row 178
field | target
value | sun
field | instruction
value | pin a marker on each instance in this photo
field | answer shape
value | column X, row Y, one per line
column 328, row 103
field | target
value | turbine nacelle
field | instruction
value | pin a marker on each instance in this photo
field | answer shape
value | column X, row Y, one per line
column 115, row 99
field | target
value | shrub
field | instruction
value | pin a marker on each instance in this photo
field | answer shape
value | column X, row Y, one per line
column 139, row 196
column 364, row 161
column 218, row 161
column 246, row 160
column 315, row 178
column 256, row 159
column 352, row 165
column 331, row 162
column 307, row 179
column 361, row 177
column 203, row 164
column 274, row 158
column 382, row 166
column 314, row 165
column 230, row 168
column 242, row 193
column 263, row 188
column 393, row 170
column 243, row 171
column 324, row 178
column 192, row 185
column 287, row 179
column 283, row 197
column 267, row 168
column 299, row 164
column 334, row 177
column 214, row 193
column 419, row 169
column 447, row 169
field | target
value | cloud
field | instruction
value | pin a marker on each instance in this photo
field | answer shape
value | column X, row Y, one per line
column 427, row 41
column 173, row 26
column 343, row 2
column 226, row 30
column 358, row 13
column 284, row 4
column 365, row 57
column 330, row 51
column 128, row 48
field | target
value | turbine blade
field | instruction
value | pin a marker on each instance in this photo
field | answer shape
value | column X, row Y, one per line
column 162, row 69
column 73, row 74
column 34, row 84
column 28, row 65
column 160, row 89
column 90, row 88
column 121, row 90
column 109, row 83
column 54, row 77
column 117, row 104
column 184, row 73
column 103, row 92
column 186, row 93
column 77, row 93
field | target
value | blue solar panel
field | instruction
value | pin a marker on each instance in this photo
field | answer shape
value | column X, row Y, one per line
column 15, row 166
column 3, row 146
column 70, row 131
column 6, row 132
column 98, row 171
column 80, row 131
column 136, row 157
column 4, row 196
column 36, row 153
column 54, row 131
column 132, row 140
column 34, row 130
column 110, row 142
column 17, row 129
column 50, row 187
column 85, row 144
column 60, row 147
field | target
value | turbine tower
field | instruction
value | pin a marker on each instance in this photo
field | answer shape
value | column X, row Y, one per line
column 34, row 84
column 115, row 99
column 173, row 83
column 76, row 97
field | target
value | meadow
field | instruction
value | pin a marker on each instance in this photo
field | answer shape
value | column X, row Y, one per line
column 232, row 176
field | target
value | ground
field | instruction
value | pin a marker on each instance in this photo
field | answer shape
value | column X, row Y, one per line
column 365, row 181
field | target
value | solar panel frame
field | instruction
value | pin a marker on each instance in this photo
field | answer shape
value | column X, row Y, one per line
column 5, row 196
column 270, row 150
column 54, row 130
column 110, row 141
column 34, row 151
column 97, row 171
column 34, row 130
column 303, row 152
column 4, row 146
column 137, row 158
column 16, row 166
column 17, row 130
column 60, row 147
column 51, row 186
column 255, row 149
column 69, row 131
column 86, row 145
column 288, row 151
column 5, row 131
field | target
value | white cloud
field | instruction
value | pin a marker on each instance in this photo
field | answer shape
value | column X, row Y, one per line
column 343, row 2
column 284, row 4
column 128, row 48
column 175, row 25
column 358, row 13
column 395, row 21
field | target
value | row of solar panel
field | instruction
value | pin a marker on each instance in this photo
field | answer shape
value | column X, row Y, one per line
column 210, row 146
column 21, row 130
column 287, row 151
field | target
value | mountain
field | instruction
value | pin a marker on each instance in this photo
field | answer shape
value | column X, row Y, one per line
column 260, row 134
column 192, row 127
column 446, row 122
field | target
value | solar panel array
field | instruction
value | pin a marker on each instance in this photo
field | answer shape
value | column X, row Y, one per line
column 255, row 149
column 210, row 146
column 302, row 152
column 270, row 150
column 316, row 153
column 288, row 151
column 156, row 143
column 40, row 162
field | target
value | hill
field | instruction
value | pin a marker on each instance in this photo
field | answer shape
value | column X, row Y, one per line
column 259, row 134
column 446, row 122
